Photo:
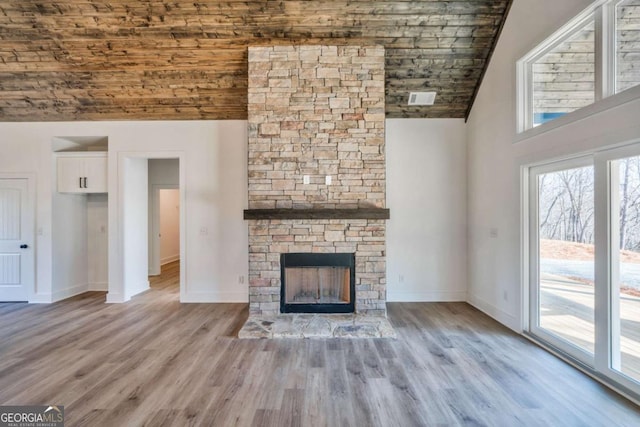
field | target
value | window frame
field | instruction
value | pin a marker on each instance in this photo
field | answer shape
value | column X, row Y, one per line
column 603, row 13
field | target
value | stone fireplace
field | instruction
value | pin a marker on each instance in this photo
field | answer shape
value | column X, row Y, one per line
column 316, row 166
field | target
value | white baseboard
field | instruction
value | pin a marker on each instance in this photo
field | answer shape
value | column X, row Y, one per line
column 99, row 286
column 68, row 292
column 426, row 296
column 169, row 259
column 216, row 297
column 137, row 289
column 41, row 299
column 115, row 298
column 492, row 311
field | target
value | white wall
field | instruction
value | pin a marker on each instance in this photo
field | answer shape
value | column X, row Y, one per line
column 494, row 159
column 427, row 202
column 169, row 225
column 98, row 242
column 213, row 172
column 164, row 172
column 69, row 240
column 79, row 240
column 134, row 220
column 426, row 194
column 215, row 193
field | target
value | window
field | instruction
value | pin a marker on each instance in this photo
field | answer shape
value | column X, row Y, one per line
column 627, row 44
column 564, row 77
column 594, row 56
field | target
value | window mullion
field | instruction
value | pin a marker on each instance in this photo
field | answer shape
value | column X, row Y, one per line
column 606, row 49
column 602, row 315
column 600, row 54
column 613, row 257
column 534, row 315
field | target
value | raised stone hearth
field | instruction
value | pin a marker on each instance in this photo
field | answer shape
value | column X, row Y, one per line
column 317, row 326
column 316, row 174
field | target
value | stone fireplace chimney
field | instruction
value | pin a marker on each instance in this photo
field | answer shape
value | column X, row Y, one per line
column 316, row 113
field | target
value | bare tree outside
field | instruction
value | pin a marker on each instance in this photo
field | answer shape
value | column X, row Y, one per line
column 627, row 301
column 566, row 205
column 566, row 239
column 630, row 203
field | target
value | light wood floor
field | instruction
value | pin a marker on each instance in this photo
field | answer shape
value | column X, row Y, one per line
column 154, row 361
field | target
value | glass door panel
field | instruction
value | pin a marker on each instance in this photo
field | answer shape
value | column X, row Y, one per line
column 625, row 272
column 565, row 243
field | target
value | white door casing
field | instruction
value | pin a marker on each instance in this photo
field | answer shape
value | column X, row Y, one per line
column 16, row 240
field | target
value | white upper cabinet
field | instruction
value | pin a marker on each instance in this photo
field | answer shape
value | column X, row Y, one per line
column 82, row 172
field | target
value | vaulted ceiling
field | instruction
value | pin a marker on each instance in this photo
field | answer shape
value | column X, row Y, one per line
column 124, row 60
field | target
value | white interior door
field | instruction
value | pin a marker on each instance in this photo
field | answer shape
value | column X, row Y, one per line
column 16, row 240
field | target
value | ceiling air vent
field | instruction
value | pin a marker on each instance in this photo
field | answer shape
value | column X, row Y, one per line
column 422, row 98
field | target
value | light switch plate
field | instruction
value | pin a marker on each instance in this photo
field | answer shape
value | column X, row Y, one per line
column 327, row 180
column 305, row 179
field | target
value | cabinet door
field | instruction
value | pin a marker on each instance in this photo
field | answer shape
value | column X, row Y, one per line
column 69, row 175
column 95, row 174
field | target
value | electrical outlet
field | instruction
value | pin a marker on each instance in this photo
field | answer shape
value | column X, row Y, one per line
column 305, row 179
column 204, row 231
column 401, row 278
column 241, row 279
column 493, row 233
column 327, row 180
column 505, row 295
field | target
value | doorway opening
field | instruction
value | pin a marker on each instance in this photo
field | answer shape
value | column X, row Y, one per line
column 153, row 223
column 164, row 224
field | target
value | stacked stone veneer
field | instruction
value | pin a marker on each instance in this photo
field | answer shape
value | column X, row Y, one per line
column 317, row 111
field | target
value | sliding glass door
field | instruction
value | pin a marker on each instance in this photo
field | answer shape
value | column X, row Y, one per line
column 584, row 260
column 620, row 265
column 562, row 232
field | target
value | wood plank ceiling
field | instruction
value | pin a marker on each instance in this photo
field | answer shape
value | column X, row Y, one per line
column 124, row 60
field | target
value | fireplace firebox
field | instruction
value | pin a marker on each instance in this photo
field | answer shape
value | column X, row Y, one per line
column 317, row 283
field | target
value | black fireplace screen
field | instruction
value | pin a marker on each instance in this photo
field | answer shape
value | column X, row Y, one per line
column 317, row 283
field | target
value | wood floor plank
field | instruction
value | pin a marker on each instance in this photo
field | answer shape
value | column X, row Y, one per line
column 156, row 362
column 291, row 411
